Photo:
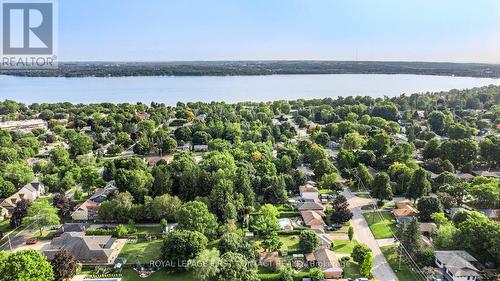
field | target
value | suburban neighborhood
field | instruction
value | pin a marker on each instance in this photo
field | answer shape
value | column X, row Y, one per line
column 356, row 188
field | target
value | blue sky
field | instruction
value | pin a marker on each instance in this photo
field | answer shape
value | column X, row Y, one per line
column 168, row 30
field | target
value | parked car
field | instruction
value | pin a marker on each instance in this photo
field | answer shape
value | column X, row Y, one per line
column 31, row 241
column 327, row 196
column 333, row 227
column 361, row 279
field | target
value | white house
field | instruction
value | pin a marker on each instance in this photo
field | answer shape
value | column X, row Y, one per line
column 456, row 265
column 308, row 191
column 200, row 148
column 30, row 191
column 88, row 210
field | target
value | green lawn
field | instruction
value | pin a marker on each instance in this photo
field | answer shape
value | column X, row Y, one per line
column 162, row 275
column 144, row 251
column 343, row 246
column 363, row 195
column 351, row 270
column 386, row 205
column 403, row 272
column 367, row 207
column 290, row 243
column 148, row 229
column 382, row 224
column 5, row 228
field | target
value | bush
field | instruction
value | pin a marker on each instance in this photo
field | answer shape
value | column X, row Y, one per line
column 425, row 257
column 309, row 241
column 359, row 252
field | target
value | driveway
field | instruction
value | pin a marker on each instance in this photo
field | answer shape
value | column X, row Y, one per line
column 381, row 269
column 41, row 245
column 386, row 242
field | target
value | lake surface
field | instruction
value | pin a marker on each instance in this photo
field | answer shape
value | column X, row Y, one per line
column 224, row 88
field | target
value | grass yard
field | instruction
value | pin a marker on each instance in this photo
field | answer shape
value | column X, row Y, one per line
column 403, row 272
column 289, row 214
column 143, row 250
column 5, row 228
column 367, row 207
column 343, row 246
column 162, row 275
column 148, row 229
column 351, row 270
column 290, row 243
column 363, row 195
column 382, row 224
column 370, row 206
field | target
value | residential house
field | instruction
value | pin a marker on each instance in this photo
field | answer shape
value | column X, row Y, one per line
column 308, row 191
column 30, row 191
column 200, row 148
column 333, row 145
column 456, row 265
column 4, row 213
column 426, row 228
column 88, row 210
column 313, row 219
column 23, row 125
column 312, row 205
column 325, row 240
column 201, row 117
column 493, row 214
column 420, row 114
column 327, row 261
column 404, row 211
column 493, row 174
column 73, row 227
column 372, row 171
column 102, row 194
column 450, row 213
column 88, row 250
column 465, row 176
column 184, row 147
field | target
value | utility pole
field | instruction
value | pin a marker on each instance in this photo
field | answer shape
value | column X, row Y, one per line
column 10, row 244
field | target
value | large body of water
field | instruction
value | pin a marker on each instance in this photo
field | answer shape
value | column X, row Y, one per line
column 224, row 88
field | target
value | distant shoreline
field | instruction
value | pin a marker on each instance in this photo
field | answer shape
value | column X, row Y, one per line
column 260, row 68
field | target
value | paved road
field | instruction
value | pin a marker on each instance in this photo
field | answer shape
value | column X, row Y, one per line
column 381, row 269
column 19, row 240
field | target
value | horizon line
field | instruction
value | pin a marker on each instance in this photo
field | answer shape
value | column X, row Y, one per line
column 272, row 60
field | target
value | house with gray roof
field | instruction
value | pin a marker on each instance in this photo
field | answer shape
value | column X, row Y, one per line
column 310, row 205
column 456, row 265
column 88, row 250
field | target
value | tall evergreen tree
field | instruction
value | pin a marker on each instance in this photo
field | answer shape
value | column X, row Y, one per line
column 341, row 212
column 409, row 236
